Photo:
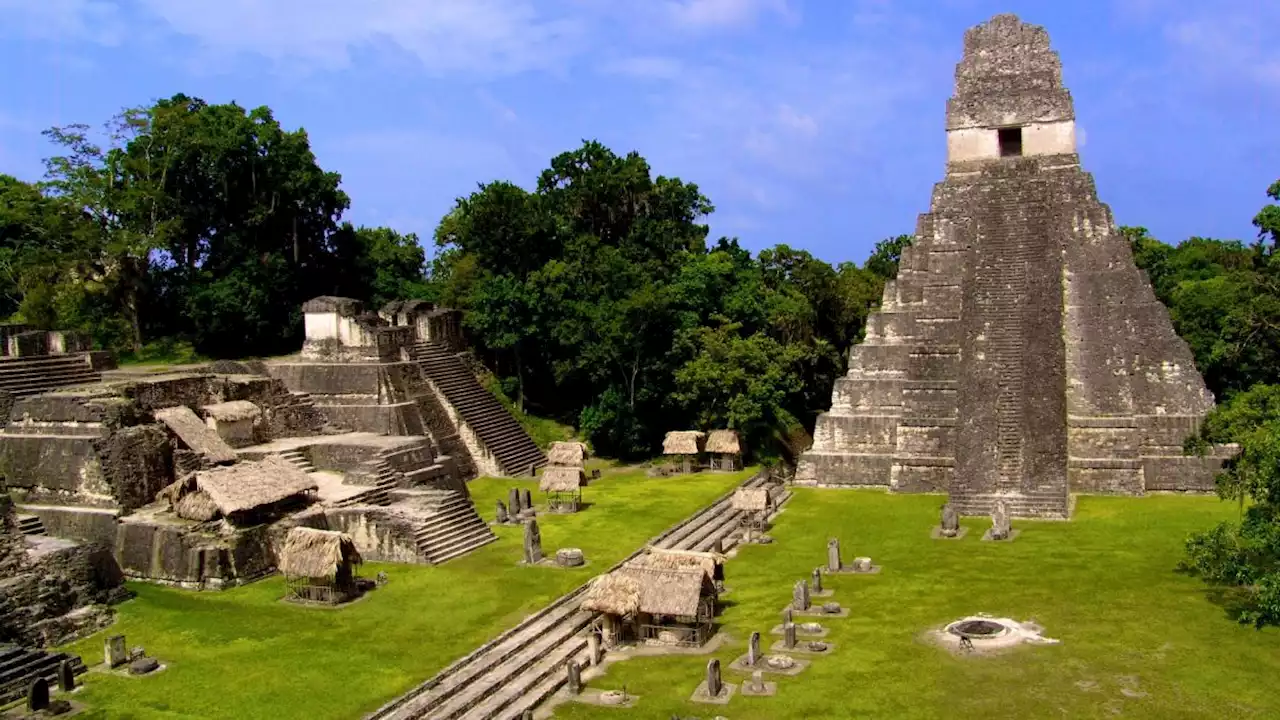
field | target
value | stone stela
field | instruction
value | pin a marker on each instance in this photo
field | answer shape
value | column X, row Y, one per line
column 532, row 543
column 1020, row 354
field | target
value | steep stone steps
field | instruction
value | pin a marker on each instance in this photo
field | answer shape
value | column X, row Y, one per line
column 298, row 459
column 499, row 432
column 453, row 528
column 1043, row 504
column 19, row 667
column 33, row 377
column 30, row 525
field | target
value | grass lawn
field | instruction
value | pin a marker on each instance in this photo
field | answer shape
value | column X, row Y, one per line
column 1104, row 584
column 243, row 653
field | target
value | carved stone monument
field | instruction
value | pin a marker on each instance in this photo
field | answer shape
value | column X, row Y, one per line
column 575, row 678
column 513, row 502
column 501, row 515
column 38, row 695
column 66, row 676
column 1000, row 528
column 753, row 650
column 833, row 555
column 789, row 635
column 950, row 524
column 532, row 543
column 114, row 653
column 786, row 615
column 526, row 501
column 757, row 681
column 817, row 581
column 714, row 685
column 1020, row 353
column 594, row 652
column 800, row 596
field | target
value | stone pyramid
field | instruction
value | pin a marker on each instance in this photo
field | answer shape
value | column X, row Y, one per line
column 1020, row 354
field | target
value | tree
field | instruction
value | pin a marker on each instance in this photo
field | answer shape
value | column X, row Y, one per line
column 886, row 255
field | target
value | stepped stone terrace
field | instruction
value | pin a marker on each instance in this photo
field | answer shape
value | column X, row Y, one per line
column 1020, row 354
column 194, row 477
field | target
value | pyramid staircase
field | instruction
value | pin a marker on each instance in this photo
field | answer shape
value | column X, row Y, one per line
column 502, row 434
column 452, row 528
column 19, row 667
column 22, row 376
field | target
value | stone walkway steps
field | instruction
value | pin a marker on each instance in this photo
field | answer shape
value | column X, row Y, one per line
column 525, row 665
column 297, row 459
column 485, row 697
column 501, row 434
column 30, row 376
column 30, row 525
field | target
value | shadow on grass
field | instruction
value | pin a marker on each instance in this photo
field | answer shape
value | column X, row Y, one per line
column 1235, row 601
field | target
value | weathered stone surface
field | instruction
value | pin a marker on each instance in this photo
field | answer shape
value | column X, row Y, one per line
column 833, row 555
column 1019, row 354
column 532, row 542
column 800, row 596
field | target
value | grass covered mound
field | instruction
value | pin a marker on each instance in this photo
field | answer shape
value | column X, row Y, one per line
column 1138, row 640
column 244, row 653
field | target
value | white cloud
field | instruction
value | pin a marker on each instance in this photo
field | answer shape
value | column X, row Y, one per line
column 702, row 14
column 645, row 67
column 97, row 21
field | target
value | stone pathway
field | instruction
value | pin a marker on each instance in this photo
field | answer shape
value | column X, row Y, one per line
column 525, row 665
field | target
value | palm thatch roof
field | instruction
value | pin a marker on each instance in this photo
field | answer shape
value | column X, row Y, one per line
column 562, row 479
column 312, row 553
column 232, row 411
column 614, row 594
column 724, row 441
column 251, row 484
column 196, row 506
column 567, row 453
column 682, row 442
column 670, row 592
column 751, row 499
column 666, row 559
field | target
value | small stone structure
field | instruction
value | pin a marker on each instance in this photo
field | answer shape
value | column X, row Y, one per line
column 800, row 596
column 949, row 526
column 1020, row 353
column 685, row 447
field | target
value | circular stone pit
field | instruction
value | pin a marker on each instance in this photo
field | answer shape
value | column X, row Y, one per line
column 979, row 633
column 817, row 646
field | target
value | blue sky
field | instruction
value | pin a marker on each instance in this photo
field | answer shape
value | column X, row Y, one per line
column 818, row 123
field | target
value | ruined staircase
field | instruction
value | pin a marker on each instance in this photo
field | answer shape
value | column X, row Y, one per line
column 501, row 434
column 19, row 667
column 379, row 493
column 30, row 525
column 453, row 527
column 21, row 376
column 297, row 459
column 1040, row 504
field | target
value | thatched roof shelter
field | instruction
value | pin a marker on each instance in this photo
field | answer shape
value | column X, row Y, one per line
column 229, row 489
column 723, row 441
column 562, row 479
column 670, row 592
column 232, row 411
column 567, row 453
column 311, row 553
column 751, row 499
column 615, row 594
column 196, row 506
column 682, row 442
column 666, row 559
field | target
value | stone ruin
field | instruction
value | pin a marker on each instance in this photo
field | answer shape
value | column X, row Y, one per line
column 193, row 478
column 1020, row 353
